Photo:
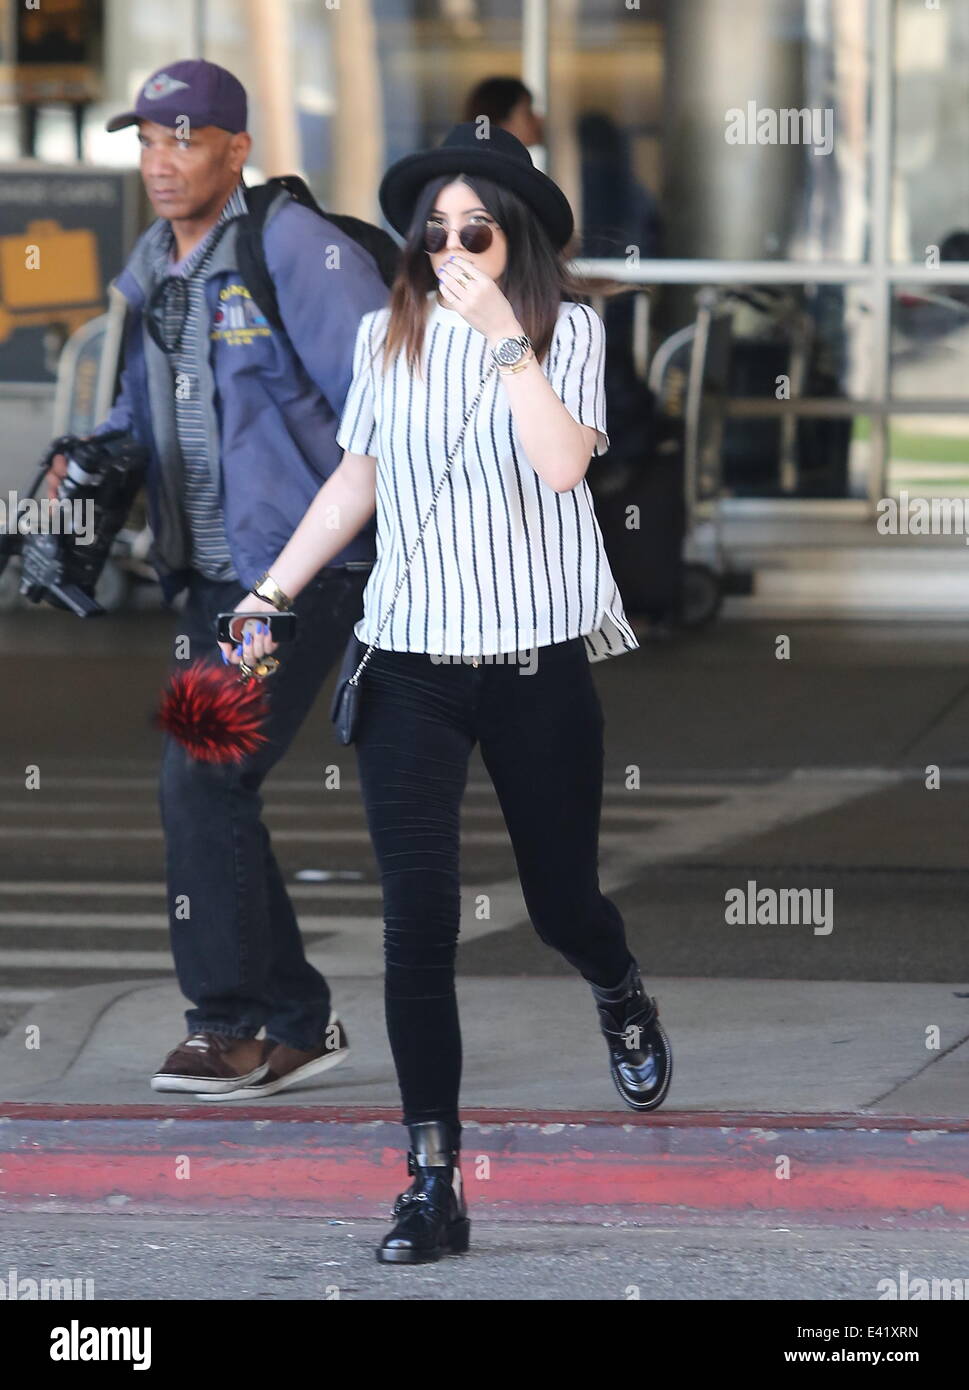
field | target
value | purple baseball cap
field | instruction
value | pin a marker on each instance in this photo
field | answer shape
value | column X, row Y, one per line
column 204, row 92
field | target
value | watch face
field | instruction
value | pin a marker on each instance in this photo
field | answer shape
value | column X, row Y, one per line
column 509, row 351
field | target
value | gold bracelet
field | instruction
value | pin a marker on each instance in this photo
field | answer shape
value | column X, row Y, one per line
column 266, row 588
column 520, row 367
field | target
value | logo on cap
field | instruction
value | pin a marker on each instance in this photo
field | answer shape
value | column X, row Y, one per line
column 162, row 86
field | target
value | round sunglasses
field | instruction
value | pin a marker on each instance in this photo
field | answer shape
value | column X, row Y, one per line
column 475, row 237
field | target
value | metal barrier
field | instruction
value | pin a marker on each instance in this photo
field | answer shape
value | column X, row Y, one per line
column 880, row 280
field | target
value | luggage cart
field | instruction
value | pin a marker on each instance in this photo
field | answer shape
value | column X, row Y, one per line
column 637, row 484
column 688, row 378
column 676, row 569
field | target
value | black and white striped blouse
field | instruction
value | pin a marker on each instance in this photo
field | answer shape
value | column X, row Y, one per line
column 507, row 563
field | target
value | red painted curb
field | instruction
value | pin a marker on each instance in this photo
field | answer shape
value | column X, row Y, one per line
column 347, row 1161
column 363, row 1114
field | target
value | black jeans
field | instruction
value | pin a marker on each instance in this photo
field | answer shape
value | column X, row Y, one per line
column 238, row 953
column 541, row 739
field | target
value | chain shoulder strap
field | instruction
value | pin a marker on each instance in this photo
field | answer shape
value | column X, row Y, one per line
column 354, row 679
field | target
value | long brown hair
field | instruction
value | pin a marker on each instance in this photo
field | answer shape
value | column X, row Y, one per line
column 535, row 280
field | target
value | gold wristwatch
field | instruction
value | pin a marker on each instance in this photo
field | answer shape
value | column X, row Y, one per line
column 266, row 588
column 511, row 355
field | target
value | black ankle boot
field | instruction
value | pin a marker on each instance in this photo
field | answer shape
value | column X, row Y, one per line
column 432, row 1219
column 640, row 1056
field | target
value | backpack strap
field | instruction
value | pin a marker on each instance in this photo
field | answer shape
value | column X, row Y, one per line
column 251, row 250
column 374, row 240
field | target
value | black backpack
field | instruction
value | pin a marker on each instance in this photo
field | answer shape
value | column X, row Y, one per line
column 252, row 254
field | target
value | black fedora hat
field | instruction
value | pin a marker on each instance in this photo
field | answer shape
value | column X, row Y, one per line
column 501, row 157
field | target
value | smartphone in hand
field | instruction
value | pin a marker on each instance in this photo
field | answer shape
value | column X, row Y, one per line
column 282, row 626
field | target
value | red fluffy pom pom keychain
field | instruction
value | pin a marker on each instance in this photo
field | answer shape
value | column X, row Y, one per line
column 213, row 713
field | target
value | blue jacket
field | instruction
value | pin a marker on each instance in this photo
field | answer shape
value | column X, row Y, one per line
column 272, row 400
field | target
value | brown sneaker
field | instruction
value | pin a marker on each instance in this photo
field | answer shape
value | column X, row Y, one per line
column 211, row 1063
column 286, row 1066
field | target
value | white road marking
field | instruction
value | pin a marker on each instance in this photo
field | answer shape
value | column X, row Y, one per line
column 86, row 960
column 283, row 837
column 745, row 810
column 319, row 810
column 97, row 888
column 741, row 809
column 142, row 921
column 674, row 790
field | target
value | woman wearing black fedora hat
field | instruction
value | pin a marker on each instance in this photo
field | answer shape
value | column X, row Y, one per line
column 475, row 407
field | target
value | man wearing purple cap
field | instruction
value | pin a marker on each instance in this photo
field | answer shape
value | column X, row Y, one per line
column 240, row 418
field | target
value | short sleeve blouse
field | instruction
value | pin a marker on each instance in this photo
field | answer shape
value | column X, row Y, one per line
column 507, row 563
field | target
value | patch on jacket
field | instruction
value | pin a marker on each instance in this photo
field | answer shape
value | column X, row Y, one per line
column 238, row 319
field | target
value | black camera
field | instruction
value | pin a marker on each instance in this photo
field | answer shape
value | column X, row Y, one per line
column 104, row 475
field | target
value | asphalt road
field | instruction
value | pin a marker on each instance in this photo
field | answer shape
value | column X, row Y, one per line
column 180, row 1257
column 803, row 772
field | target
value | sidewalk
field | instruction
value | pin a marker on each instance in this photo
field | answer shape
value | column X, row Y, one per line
column 829, row 1082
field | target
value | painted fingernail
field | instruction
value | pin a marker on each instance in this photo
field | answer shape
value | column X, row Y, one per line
column 225, row 659
column 238, row 651
column 248, row 638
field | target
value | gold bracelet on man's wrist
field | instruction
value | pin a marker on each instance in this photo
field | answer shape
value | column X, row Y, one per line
column 266, row 588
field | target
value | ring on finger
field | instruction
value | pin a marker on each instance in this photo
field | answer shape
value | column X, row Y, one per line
column 259, row 669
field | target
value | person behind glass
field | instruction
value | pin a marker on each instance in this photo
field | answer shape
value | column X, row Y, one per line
column 508, row 103
column 508, row 599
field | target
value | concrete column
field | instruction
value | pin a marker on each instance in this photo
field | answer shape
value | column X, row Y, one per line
column 730, row 200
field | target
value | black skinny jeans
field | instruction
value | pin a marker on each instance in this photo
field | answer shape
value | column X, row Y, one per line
column 541, row 738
